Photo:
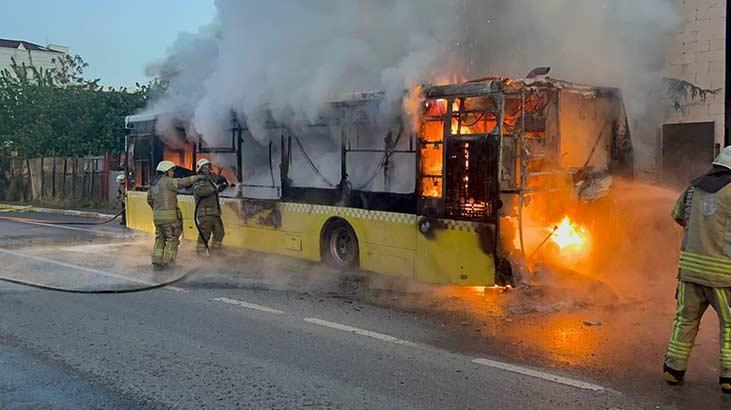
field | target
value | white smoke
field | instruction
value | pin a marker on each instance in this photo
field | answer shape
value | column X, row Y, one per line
column 292, row 56
column 616, row 43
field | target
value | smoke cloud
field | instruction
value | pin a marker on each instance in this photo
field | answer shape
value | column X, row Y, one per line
column 291, row 57
column 616, row 43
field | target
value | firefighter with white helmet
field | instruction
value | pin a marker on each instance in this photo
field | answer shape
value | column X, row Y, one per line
column 166, row 215
column 208, row 208
column 121, row 195
column 704, row 211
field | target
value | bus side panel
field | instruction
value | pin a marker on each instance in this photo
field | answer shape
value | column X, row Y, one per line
column 258, row 232
column 452, row 253
column 389, row 242
column 387, row 245
column 139, row 213
column 387, row 260
column 386, row 240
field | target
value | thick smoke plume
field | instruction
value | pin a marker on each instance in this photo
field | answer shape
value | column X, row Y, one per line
column 291, row 57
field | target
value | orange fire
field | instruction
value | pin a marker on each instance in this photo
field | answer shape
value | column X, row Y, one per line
column 568, row 235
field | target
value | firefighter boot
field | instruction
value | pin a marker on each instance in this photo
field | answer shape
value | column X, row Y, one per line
column 672, row 376
column 725, row 383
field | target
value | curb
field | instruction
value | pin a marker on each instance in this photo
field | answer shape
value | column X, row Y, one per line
column 68, row 212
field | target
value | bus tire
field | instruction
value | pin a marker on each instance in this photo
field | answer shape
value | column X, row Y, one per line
column 339, row 245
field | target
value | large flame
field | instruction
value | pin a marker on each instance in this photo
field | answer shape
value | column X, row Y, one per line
column 569, row 235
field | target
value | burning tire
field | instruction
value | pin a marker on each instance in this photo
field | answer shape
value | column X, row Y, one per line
column 339, row 245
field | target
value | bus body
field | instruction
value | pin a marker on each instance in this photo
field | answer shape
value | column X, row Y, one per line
column 479, row 148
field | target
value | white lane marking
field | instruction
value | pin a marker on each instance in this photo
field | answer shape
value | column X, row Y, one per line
column 362, row 332
column 81, row 268
column 103, row 233
column 249, row 305
column 95, row 247
column 175, row 289
column 541, row 375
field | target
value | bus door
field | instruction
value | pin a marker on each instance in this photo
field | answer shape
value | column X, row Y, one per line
column 458, row 188
column 458, row 157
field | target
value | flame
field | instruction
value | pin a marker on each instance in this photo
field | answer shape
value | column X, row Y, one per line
column 482, row 289
column 568, row 234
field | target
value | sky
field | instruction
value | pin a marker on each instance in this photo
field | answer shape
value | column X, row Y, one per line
column 116, row 38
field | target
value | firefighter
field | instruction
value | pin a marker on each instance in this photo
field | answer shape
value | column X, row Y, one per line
column 121, row 194
column 704, row 211
column 208, row 208
column 166, row 215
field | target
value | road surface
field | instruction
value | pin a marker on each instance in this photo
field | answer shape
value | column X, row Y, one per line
column 254, row 331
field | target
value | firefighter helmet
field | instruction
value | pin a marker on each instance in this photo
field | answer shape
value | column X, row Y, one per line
column 724, row 159
column 201, row 163
column 120, row 178
column 165, row 166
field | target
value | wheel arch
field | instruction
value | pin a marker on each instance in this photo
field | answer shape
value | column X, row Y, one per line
column 333, row 221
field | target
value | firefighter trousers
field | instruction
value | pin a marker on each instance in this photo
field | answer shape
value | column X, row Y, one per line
column 167, row 240
column 210, row 225
column 693, row 300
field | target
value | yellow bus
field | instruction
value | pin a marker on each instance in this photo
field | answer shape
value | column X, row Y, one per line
column 438, row 198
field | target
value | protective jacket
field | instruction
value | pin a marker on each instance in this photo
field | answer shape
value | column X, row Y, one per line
column 163, row 198
column 206, row 195
column 121, row 193
column 705, row 256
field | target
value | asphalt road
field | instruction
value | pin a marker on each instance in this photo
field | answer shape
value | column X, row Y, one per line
column 244, row 334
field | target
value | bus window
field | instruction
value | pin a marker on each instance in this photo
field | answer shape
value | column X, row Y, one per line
column 432, row 131
column 431, row 187
column 435, row 108
column 431, row 160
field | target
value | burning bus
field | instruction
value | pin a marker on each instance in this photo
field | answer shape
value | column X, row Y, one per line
column 480, row 176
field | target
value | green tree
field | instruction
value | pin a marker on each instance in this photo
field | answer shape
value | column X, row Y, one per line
column 59, row 112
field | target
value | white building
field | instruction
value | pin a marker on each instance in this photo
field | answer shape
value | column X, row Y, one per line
column 692, row 135
column 24, row 51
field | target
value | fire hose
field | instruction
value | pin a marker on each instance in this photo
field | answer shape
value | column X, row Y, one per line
column 198, row 227
column 95, row 291
column 84, row 291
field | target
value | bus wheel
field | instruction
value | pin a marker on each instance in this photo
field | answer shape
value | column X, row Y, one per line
column 340, row 245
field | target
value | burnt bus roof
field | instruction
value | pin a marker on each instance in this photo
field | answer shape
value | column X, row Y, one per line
column 508, row 86
column 130, row 120
column 471, row 88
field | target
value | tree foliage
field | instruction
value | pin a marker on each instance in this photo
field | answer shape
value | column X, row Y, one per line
column 59, row 112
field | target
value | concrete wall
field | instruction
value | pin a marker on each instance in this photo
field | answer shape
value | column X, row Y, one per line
column 697, row 54
column 40, row 58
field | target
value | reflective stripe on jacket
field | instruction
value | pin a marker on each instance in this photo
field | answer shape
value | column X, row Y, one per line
column 163, row 198
column 705, row 256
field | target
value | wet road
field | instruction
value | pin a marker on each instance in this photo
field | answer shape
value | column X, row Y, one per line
column 264, row 332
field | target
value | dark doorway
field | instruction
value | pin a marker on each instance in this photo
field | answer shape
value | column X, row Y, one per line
column 687, row 152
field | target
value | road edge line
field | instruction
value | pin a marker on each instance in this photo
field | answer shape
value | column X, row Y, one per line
column 67, row 212
column 72, row 228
